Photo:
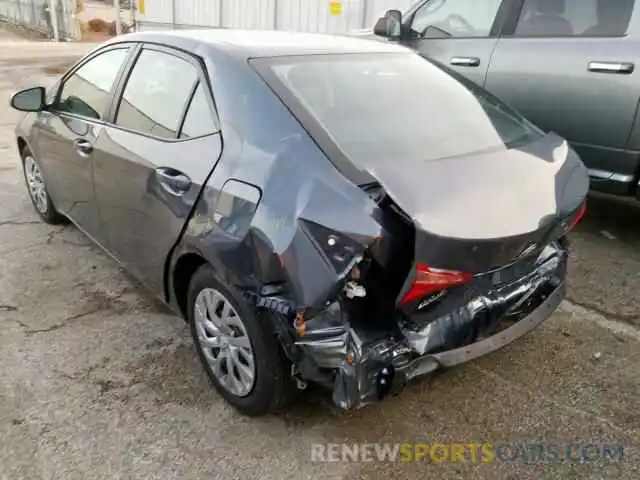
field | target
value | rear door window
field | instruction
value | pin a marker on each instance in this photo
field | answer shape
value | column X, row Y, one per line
column 574, row 18
column 199, row 120
column 87, row 91
column 156, row 94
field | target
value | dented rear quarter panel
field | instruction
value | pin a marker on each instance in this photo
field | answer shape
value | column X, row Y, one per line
column 265, row 147
column 298, row 184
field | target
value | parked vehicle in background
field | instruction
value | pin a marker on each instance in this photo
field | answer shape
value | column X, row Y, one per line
column 568, row 65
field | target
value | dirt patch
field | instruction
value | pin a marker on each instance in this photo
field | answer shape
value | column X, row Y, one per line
column 129, row 299
column 96, row 37
column 173, row 374
column 105, row 302
column 57, row 69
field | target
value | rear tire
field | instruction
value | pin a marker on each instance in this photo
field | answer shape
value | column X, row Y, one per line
column 233, row 345
column 37, row 190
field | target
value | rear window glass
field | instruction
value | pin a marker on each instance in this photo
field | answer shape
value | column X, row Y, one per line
column 379, row 107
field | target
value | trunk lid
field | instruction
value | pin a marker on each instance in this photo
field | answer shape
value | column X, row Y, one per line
column 480, row 212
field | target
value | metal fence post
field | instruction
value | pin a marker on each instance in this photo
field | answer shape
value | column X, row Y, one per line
column 64, row 10
column 116, row 6
column 18, row 13
column 173, row 14
column 365, row 13
column 76, row 26
column 53, row 15
column 220, row 13
column 276, row 11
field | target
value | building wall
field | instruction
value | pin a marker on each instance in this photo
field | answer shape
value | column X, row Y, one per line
column 35, row 15
column 297, row 15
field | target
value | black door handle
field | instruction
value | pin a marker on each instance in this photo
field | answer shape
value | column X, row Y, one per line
column 465, row 61
column 172, row 180
column 83, row 147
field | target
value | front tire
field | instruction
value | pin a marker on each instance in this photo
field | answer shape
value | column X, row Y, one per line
column 241, row 355
column 38, row 190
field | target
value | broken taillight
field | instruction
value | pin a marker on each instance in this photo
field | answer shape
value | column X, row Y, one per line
column 430, row 280
column 578, row 216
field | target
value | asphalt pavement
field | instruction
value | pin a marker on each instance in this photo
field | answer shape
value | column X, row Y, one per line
column 97, row 380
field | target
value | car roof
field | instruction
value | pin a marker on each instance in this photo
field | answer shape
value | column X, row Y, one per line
column 267, row 43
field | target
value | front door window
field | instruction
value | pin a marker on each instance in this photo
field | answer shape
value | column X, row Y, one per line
column 454, row 19
column 87, row 92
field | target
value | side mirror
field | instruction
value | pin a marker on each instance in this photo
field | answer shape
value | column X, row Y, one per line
column 29, row 100
column 390, row 25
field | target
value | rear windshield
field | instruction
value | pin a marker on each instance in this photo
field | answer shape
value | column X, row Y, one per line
column 381, row 107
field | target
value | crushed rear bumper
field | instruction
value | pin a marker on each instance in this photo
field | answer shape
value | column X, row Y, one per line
column 378, row 369
column 429, row 363
column 369, row 365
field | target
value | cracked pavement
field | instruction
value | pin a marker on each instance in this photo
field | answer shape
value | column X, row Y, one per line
column 98, row 380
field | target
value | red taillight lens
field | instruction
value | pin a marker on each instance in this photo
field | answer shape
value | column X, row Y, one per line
column 430, row 280
column 578, row 216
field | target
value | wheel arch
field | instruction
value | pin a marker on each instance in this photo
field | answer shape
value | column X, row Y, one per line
column 22, row 144
column 179, row 278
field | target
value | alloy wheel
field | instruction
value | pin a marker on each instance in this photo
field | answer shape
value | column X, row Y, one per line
column 224, row 341
column 35, row 183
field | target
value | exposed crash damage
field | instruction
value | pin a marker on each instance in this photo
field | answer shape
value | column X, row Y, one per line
column 375, row 334
column 358, row 306
column 379, row 250
column 368, row 334
column 435, row 280
column 371, row 362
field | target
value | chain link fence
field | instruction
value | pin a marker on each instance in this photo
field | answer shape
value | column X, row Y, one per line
column 36, row 15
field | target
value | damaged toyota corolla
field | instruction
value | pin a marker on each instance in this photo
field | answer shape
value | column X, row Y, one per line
column 321, row 209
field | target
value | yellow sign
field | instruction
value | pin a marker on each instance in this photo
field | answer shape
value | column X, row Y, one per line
column 141, row 7
column 335, row 7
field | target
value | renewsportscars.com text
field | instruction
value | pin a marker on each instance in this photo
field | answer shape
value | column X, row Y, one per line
column 525, row 452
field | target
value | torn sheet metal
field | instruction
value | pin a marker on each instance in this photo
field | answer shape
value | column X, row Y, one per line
column 453, row 328
column 369, row 367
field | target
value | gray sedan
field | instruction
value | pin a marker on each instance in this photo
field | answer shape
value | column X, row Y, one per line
column 319, row 209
